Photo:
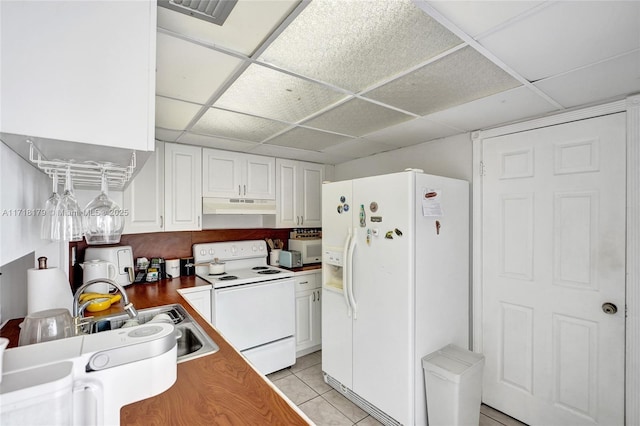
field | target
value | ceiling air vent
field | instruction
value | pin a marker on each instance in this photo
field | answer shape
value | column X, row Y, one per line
column 215, row 11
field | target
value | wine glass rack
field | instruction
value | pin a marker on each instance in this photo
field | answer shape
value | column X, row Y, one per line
column 86, row 173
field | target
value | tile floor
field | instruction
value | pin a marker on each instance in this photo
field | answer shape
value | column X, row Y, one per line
column 305, row 387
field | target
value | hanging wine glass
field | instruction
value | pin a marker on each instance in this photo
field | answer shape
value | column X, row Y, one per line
column 103, row 221
column 68, row 214
column 50, row 229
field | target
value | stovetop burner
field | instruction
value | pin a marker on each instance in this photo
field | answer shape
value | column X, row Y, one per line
column 260, row 268
column 217, row 275
column 269, row 271
column 228, row 278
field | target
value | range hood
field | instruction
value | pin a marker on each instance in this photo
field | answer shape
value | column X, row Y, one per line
column 212, row 205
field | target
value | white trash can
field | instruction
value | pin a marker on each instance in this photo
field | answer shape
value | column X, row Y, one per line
column 453, row 380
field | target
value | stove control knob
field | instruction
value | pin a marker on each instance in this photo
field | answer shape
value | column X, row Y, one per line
column 203, row 252
column 234, row 250
column 254, row 248
column 212, row 251
column 261, row 248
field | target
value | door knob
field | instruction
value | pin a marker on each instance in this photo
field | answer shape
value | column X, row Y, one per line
column 609, row 308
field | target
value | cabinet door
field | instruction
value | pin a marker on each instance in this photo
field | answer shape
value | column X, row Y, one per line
column 144, row 197
column 286, row 193
column 183, row 187
column 260, row 174
column 221, row 174
column 201, row 302
column 310, row 194
column 305, row 301
column 68, row 68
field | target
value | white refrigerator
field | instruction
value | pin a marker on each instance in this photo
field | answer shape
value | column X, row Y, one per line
column 395, row 286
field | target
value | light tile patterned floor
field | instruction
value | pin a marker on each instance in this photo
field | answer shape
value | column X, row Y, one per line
column 304, row 385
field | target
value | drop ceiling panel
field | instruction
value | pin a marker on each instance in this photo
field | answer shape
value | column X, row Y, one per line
column 357, row 117
column 609, row 79
column 512, row 105
column 248, row 25
column 174, row 115
column 477, row 17
column 412, row 133
column 216, row 122
column 190, row 72
column 273, row 94
column 218, row 143
column 567, row 35
column 298, row 154
column 354, row 44
column 459, row 77
column 301, row 138
column 358, row 148
column 167, row 135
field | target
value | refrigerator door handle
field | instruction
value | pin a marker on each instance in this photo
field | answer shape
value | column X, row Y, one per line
column 345, row 272
column 349, row 261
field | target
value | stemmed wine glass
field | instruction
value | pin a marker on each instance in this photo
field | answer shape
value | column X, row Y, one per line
column 50, row 229
column 68, row 214
column 102, row 219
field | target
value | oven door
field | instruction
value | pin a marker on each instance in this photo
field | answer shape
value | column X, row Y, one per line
column 256, row 314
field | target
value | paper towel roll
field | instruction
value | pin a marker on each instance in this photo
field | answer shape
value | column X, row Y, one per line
column 48, row 289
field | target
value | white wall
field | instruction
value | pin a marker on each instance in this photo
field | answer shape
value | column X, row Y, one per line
column 450, row 157
column 23, row 190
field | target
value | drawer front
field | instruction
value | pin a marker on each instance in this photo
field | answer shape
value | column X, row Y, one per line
column 306, row 282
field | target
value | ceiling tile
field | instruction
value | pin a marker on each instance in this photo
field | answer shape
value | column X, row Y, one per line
column 273, row 94
column 175, row 115
column 459, row 77
column 298, row 154
column 358, row 148
column 354, row 44
column 412, row 132
column 505, row 107
column 218, row 143
column 567, row 35
column 248, row 25
column 357, row 117
column 609, row 79
column 189, row 71
column 477, row 17
column 217, row 122
column 167, row 135
column 313, row 140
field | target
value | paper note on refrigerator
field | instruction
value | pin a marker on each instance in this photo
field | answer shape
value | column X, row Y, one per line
column 431, row 202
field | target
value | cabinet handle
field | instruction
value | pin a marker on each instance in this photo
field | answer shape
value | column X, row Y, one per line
column 161, row 222
column 301, row 220
column 239, row 193
column 198, row 221
column 318, row 295
column 245, row 189
column 304, row 282
column 314, row 296
column 297, row 220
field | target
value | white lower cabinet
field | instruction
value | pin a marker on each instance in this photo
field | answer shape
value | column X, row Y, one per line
column 308, row 310
column 200, row 300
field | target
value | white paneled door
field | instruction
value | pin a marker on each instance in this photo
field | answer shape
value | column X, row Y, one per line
column 553, row 235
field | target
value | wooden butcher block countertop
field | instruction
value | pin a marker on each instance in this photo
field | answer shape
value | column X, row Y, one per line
column 216, row 389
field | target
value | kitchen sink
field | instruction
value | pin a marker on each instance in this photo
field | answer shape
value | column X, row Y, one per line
column 193, row 341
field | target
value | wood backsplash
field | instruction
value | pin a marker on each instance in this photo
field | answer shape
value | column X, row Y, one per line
column 172, row 245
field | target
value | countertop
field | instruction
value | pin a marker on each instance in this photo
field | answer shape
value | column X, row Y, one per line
column 220, row 388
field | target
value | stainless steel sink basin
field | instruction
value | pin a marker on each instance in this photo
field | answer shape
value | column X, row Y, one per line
column 193, row 341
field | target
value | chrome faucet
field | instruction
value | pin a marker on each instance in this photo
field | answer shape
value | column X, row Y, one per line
column 78, row 309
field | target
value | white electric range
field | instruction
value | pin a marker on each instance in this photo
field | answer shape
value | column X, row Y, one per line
column 253, row 303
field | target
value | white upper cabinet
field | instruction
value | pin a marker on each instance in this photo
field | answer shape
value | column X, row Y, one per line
column 79, row 71
column 299, row 193
column 228, row 174
column 182, row 187
column 144, row 197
